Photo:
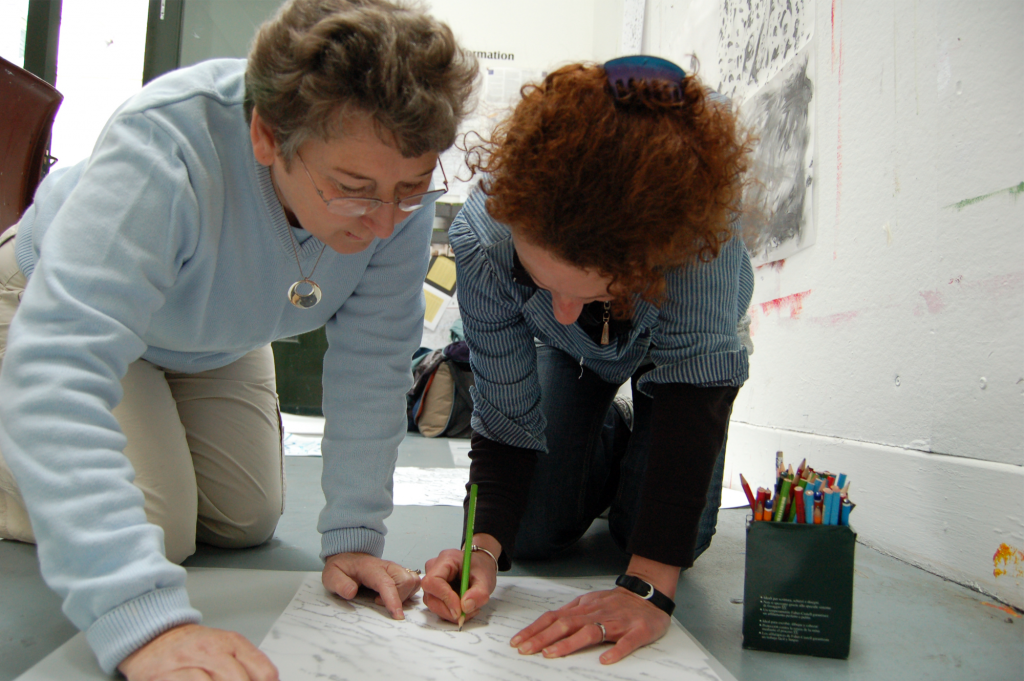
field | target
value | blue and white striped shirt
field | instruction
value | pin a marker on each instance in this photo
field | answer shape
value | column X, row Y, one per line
column 691, row 337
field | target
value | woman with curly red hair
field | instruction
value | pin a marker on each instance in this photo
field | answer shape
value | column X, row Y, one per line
column 601, row 247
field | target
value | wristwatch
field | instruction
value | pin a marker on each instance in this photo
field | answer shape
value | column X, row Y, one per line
column 646, row 591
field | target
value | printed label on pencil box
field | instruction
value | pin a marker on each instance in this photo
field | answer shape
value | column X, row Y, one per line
column 798, row 588
column 791, row 620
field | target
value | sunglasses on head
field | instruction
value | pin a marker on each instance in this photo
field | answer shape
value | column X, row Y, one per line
column 625, row 71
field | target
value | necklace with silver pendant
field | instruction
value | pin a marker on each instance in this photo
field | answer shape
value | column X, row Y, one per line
column 298, row 294
column 607, row 317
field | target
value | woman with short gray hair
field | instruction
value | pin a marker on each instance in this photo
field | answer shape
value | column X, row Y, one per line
column 225, row 206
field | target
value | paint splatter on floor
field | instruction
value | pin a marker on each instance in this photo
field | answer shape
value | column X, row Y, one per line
column 1012, row 560
column 1005, row 608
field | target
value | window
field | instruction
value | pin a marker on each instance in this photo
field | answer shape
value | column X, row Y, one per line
column 13, row 19
column 99, row 65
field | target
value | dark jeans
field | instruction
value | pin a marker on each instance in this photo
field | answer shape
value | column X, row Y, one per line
column 593, row 462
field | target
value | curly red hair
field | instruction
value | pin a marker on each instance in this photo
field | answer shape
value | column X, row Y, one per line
column 628, row 185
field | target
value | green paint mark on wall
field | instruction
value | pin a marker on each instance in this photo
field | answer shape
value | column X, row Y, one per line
column 1012, row 191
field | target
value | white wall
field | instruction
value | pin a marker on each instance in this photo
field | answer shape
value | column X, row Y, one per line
column 571, row 29
column 892, row 348
column 513, row 27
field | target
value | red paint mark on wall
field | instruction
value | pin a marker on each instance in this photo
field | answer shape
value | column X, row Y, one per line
column 1003, row 284
column 835, row 320
column 775, row 266
column 934, row 301
column 833, row 35
column 1012, row 560
column 794, row 304
column 755, row 320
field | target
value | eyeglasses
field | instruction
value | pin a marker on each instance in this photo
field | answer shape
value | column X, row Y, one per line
column 352, row 207
column 624, row 71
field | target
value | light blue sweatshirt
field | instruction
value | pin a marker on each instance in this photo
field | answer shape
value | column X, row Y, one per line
column 169, row 244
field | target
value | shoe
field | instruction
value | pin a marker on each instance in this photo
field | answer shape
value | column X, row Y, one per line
column 624, row 405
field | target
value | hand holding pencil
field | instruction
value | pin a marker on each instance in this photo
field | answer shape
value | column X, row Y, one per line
column 458, row 583
column 467, row 553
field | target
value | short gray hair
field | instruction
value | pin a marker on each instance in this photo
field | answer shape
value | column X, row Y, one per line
column 317, row 61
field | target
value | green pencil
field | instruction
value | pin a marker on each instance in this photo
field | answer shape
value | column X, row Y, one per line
column 783, row 497
column 467, row 550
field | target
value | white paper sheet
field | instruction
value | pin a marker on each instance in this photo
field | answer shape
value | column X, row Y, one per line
column 430, row 486
column 301, row 445
column 302, row 425
column 320, row 636
column 733, row 498
column 460, row 451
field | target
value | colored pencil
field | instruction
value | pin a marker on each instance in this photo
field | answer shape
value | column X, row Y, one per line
column 467, row 551
column 746, row 490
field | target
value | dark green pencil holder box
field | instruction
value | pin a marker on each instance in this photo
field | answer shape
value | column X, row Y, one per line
column 798, row 588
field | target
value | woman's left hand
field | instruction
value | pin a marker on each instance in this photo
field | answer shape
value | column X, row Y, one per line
column 629, row 621
column 344, row 573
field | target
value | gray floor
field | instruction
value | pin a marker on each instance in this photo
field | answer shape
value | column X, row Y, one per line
column 907, row 624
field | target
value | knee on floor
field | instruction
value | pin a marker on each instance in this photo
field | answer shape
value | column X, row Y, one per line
column 252, row 527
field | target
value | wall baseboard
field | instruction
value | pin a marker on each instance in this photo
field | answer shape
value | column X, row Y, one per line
column 961, row 519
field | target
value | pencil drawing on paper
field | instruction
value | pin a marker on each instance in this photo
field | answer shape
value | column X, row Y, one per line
column 757, row 38
column 765, row 49
column 780, row 194
column 322, row 636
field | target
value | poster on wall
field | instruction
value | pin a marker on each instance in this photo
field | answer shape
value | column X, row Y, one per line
column 499, row 92
column 757, row 39
column 779, row 196
column 761, row 58
column 513, row 49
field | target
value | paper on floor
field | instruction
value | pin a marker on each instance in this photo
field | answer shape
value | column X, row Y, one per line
column 460, row 451
column 301, row 445
column 430, row 486
column 322, row 636
column 733, row 498
column 302, row 425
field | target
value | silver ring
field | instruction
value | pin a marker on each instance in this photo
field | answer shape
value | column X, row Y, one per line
column 604, row 634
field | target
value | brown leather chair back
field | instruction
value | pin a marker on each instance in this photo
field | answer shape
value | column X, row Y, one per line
column 28, row 106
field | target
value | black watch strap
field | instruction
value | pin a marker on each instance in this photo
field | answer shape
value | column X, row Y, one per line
column 646, row 591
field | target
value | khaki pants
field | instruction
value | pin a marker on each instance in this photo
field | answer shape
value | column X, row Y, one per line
column 206, row 447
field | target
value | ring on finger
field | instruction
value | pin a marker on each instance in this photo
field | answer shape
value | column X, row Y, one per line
column 604, row 634
column 415, row 572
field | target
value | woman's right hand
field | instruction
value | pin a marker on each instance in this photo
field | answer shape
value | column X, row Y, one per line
column 192, row 651
column 446, row 569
